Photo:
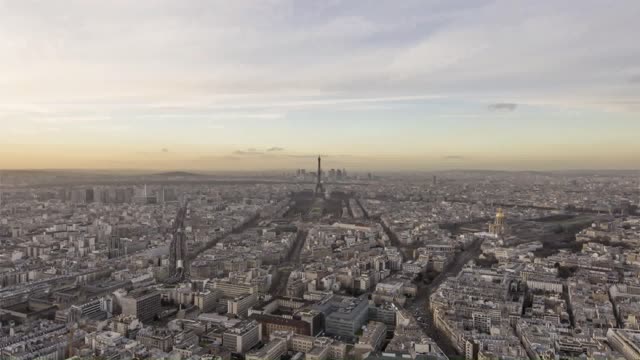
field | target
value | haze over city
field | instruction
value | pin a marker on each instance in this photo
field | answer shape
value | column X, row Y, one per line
column 243, row 85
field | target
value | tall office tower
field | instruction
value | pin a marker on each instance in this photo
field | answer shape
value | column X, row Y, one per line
column 128, row 195
column 120, row 196
column 435, row 180
column 62, row 195
column 114, row 247
column 78, row 196
column 101, row 195
column 89, row 195
column 160, row 195
column 141, row 195
column 319, row 187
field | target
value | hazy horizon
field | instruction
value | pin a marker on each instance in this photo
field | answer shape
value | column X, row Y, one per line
column 289, row 170
column 371, row 86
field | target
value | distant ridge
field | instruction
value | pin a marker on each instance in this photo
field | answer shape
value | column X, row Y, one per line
column 177, row 173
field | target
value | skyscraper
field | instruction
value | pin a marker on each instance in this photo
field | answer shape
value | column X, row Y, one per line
column 319, row 187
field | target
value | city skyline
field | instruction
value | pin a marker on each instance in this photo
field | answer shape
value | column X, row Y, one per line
column 269, row 85
column 319, row 179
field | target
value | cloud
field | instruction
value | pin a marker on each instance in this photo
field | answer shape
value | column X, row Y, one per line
column 508, row 107
column 247, row 115
column 483, row 48
column 635, row 79
column 69, row 119
column 164, row 150
column 306, row 156
column 275, row 148
column 453, row 157
column 248, row 152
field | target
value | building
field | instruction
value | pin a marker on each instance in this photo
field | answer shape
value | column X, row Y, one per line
column 272, row 351
column 127, row 326
column 498, row 227
column 344, row 316
column 274, row 323
column 152, row 338
column 145, row 304
column 41, row 339
column 317, row 353
column 206, row 300
column 242, row 337
column 384, row 313
column 115, row 246
column 98, row 309
column 626, row 342
column 545, row 284
column 240, row 305
column 415, row 266
column 287, row 314
column 313, row 347
column 233, row 290
column 372, row 337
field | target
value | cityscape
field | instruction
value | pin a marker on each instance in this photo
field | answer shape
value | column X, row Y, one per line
column 320, row 264
column 319, row 180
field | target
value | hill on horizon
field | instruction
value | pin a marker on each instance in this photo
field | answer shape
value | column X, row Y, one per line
column 177, row 173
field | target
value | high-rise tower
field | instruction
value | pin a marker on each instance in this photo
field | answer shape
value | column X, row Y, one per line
column 319, row 187
column 114, row 245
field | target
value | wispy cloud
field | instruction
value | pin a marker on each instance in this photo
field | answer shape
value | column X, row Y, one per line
column 503, row 107
column 383, row 52
column 275, row 148
column 247, row 115
column 453, row 157
column 69, row 119
column 307, row 156
column 248, row 152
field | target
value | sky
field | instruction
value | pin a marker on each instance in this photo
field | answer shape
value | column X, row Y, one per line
column 271, row 84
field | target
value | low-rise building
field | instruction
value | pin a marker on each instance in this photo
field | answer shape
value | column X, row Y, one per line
column 372, row 337
column 242, row 337
column 145, row 305
column 625, row 341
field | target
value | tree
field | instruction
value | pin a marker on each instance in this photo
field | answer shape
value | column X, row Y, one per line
column 565, row 272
